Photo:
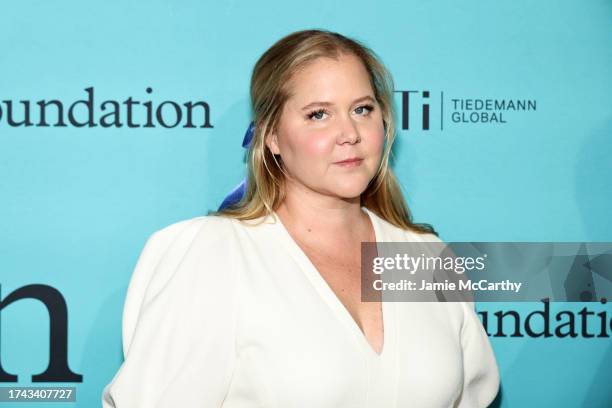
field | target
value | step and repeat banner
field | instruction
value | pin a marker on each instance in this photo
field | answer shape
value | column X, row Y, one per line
column 118, row 118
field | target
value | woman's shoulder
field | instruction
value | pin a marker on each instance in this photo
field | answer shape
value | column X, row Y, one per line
column 208, row 225
column 394, row 233
column 179, row 258
column 417, row 236
column 183, row 245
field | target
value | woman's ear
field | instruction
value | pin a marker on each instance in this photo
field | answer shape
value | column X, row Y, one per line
column 272, row 143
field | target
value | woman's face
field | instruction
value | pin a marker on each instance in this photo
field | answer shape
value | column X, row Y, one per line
column 331, row 116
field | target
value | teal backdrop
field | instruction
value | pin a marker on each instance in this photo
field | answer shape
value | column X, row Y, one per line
column 77, row 203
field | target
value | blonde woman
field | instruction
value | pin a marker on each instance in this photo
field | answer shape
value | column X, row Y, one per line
column 258, row 305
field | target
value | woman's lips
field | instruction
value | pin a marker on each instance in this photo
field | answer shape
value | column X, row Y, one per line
column 350, row 162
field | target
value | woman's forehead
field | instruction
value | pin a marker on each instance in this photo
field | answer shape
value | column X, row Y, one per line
column 330, row 68
column 330, row 80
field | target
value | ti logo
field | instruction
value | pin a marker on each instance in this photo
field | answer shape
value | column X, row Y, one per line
column 419, row 108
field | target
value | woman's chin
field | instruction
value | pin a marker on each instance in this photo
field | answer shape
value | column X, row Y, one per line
column 350, row 190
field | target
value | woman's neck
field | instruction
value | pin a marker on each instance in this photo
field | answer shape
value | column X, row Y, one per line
column 326, row 217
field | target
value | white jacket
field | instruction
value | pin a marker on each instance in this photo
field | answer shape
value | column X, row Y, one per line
column 223, row 314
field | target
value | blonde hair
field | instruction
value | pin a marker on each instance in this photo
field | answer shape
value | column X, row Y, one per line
column 265, row 179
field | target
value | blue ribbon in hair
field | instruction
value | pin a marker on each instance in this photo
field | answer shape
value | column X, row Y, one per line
column 236, row 194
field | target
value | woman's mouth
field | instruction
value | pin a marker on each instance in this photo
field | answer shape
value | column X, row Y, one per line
column 352, row 162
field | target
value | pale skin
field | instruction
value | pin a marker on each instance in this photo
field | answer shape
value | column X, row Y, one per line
column 322, row 209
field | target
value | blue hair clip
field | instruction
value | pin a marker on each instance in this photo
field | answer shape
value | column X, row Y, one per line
column 248, row 136
column 236, row 194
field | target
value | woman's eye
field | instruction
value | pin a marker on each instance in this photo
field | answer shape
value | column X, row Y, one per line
column 317, row 115
column 364, row 109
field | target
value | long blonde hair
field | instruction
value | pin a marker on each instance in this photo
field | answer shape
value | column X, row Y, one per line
column 265, row 179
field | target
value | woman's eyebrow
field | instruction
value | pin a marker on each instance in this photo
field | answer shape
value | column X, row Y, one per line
column 323, row 103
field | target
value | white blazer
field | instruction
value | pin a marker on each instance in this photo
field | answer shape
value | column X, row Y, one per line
column 219, row 313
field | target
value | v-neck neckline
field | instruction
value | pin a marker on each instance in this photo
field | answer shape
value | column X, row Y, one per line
column 329, row 296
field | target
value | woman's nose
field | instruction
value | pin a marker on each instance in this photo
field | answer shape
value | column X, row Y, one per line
column 348, row 132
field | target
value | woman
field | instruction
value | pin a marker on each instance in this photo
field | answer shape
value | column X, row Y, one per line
column 259, row 305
